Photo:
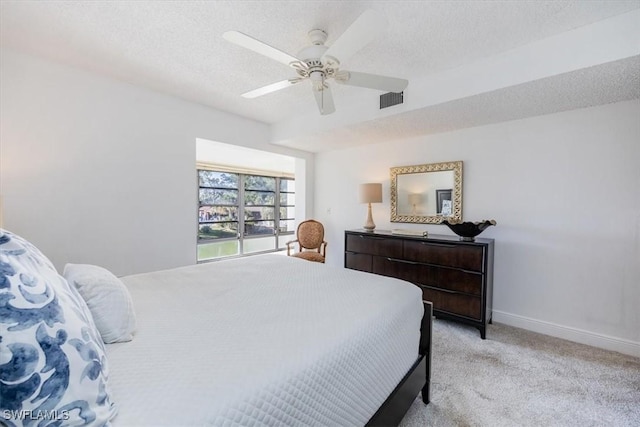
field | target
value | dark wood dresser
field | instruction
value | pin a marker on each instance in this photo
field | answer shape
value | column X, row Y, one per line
column 456, row 276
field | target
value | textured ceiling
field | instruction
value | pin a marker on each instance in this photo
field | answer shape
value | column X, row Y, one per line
column 177, row 48
column 615, row 81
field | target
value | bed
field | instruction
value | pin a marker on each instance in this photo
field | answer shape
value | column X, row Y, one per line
column 265, row 340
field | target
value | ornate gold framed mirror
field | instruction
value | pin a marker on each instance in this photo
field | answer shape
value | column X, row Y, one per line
column 427, row 194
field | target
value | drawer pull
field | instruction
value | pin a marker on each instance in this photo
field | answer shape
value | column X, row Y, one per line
column 404, row 261
column 448, row 291
column 443, row 245
column 371, row 237
column 428, row 264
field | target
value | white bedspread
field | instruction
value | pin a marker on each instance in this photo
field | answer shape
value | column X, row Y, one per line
column 265, row 340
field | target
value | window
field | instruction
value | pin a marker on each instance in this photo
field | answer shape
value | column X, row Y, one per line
column 240, row 214
column 287, row 207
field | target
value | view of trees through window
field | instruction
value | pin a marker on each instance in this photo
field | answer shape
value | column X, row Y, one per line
column 240, row 214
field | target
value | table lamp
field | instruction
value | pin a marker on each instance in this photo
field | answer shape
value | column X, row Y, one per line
column 370, row 193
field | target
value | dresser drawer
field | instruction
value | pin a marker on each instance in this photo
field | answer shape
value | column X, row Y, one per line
column 357, row 261
column 454, row 303
column 373, row 245
column 440, row 277
column 467, row 257
column 385, row 267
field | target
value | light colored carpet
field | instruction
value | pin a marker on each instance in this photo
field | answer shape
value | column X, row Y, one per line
column 521, row 378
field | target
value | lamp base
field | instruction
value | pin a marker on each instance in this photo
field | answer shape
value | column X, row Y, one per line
column 369, row 225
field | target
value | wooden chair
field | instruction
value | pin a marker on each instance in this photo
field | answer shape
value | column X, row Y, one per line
column 310, row 240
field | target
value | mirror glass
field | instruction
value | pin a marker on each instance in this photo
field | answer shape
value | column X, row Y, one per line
column 426, row 193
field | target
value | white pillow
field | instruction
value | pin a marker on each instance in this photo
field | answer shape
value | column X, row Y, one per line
column 107, row 298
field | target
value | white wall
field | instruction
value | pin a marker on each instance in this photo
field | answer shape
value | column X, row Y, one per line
column 94, row 170
column 565, row 191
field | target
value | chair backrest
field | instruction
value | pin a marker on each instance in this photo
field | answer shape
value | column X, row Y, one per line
column 310, row 234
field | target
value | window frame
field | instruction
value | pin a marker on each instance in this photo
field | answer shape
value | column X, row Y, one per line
column 240, row 206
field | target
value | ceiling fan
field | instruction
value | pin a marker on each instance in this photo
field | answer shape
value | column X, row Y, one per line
column 319, row 63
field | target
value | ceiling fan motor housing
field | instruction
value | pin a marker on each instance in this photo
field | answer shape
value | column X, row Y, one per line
column 317, row 37
column 312, row 56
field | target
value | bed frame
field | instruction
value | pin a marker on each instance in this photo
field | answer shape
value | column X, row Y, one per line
column 417, row 379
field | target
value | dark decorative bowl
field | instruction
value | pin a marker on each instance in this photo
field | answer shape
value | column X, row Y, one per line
column 468, row 230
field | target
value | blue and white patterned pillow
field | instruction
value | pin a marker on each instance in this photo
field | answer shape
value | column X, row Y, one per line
column 53, row 368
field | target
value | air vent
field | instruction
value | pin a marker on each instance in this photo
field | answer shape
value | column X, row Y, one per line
column 390, row 99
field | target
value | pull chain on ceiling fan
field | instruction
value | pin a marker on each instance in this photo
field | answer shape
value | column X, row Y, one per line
column 319, row 63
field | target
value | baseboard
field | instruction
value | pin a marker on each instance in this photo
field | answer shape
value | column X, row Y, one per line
column 572, row 334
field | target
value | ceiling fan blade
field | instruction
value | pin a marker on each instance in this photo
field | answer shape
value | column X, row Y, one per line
column 324, row 99
column 372, row 81
column 270, row 88
column 257, row 46
column 359, row 34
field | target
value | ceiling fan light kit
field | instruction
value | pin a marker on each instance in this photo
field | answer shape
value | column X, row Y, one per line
column 319, row 63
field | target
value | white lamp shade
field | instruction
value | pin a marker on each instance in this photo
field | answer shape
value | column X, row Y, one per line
column 371, row 193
